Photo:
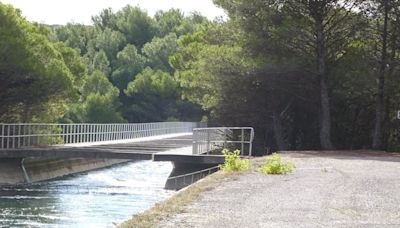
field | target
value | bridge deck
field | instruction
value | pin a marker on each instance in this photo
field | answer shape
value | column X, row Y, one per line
column 140, row 149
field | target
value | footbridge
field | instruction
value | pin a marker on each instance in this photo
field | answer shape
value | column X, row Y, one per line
column 191, row 146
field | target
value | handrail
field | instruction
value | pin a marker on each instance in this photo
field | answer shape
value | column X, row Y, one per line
column 210, row 139
column 190, row 178
column 193, row 173
column 18, row 135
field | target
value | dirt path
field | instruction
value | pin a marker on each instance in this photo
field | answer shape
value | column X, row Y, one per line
column 327, row 189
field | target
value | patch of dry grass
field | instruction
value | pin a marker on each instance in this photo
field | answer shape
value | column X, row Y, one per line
column 176, row 204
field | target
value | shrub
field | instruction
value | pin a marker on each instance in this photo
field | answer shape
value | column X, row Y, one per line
column 275, row 165
column 233, row 162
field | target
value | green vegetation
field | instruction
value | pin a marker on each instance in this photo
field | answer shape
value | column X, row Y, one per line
column 302, row 73
column 36, row 75
column 116, row 70
column 305, row 74
column 275, row 165
column 233, row 162
column 324, row 170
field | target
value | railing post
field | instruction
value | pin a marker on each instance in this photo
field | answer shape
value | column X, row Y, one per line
column 29, row 134
column 225, row 137
column 194, row 142
column 242, row 143
column 251, row 140
column 12, row 138
column 19, row 136
column 2, row 136
column 208, row 141
column 74, row 136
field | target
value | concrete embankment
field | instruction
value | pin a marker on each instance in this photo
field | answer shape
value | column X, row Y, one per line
column 18, row 171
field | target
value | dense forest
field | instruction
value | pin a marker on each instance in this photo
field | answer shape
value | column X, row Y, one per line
column 309, row 74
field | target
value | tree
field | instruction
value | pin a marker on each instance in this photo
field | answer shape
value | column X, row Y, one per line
column 115, row 46
column 106, row 19
column 76, row 36
column 154, row 93
column 168, row 21
column 111, row 42
column 159, row 50
column 385, row 18
column 36, row 75
column 318, row 32
column 100, row 62
column 100, row 102
column 129, row 64
column 135, row 24
column 216, row 71
column 100, row 109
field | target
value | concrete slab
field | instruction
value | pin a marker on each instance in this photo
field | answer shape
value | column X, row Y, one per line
column 136, row 149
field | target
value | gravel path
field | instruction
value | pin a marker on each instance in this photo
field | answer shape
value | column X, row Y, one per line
column 327, row 189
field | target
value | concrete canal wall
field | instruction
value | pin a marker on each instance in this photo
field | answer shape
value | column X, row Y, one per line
column 18, row 171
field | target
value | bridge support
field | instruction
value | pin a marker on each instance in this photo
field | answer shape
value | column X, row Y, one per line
column 186, row 164
column 27, row 179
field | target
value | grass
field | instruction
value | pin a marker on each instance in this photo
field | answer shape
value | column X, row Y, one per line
column 176, row 204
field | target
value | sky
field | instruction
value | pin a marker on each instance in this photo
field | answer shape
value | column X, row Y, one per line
column 80, row 11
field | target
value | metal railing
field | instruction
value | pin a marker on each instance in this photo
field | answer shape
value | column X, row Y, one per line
column 209, row 140
column 185, row 180
column 18, row 135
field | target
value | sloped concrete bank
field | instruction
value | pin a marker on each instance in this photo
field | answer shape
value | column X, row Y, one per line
column 25, row 170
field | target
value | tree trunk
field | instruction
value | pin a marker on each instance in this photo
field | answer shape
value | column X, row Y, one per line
column 380, row 107
column 325, row 124
column 278, row 131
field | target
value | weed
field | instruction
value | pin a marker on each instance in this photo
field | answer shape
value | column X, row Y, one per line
column 275, row 165
column 233, row 162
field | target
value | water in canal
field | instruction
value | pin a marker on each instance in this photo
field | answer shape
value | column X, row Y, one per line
column 99, row 198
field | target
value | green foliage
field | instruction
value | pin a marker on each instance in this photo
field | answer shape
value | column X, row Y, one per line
column 101, row 109
column 48, row 140
column 76, row 36
column 111, row 42
column 99, row 102
column 168, row 21
column 97, row 82
column 174, row 21
column 154, row 94
column 275, row 165
column 159, row 50
column 129, row 63
column 137, row 26
column 100, row 62
column 152, row 83
column 35, row 73
column 233, row 162
column 106, row 19
column 121, row 45
column 260, row 67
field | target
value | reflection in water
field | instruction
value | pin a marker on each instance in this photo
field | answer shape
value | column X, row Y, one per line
column 94, row 199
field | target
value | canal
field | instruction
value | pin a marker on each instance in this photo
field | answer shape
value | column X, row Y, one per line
column 99, row 198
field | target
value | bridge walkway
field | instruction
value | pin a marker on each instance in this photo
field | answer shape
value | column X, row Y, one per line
column 136, row 149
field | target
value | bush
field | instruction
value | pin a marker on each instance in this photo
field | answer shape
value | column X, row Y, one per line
column 233, row 162
column 275, row 165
